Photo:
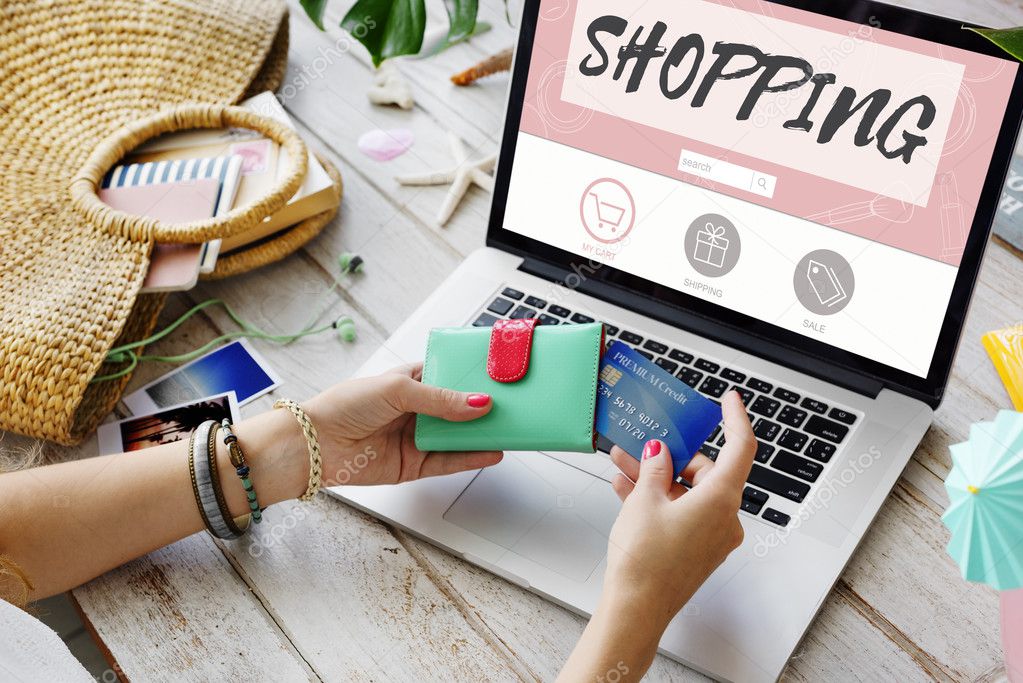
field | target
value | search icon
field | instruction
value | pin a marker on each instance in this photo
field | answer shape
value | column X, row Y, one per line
column 762, row 182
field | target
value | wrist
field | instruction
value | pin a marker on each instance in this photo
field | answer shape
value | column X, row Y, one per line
column 275, row 452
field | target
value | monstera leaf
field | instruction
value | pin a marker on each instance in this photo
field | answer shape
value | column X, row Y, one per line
column 391, row 28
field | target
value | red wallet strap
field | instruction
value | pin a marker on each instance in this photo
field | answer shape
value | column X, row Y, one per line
column 510, row 344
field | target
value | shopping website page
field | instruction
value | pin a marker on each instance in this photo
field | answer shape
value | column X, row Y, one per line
column 816, row 174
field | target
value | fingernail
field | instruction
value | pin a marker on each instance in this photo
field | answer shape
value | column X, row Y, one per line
column 652, row 448
column 478, row 400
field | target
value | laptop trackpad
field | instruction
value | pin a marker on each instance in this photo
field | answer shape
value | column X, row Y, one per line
column 544, row 510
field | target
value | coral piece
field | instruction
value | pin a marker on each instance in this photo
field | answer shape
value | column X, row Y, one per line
column 390, row 87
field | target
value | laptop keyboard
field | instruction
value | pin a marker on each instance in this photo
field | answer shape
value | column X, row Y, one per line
column 797, row 435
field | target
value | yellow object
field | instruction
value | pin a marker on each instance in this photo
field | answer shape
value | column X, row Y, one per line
column 1006, row 350
column 973, row 489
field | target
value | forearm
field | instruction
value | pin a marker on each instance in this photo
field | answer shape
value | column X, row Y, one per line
column 67, row 523
column 619, row 642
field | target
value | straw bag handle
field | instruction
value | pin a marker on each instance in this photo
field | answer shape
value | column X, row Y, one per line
column 86, row 182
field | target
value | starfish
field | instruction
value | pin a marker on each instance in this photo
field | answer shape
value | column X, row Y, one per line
column 464, row 174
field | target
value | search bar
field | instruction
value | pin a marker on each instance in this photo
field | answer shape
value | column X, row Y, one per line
column 727, row 173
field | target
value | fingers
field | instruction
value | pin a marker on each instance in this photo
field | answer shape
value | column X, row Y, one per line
column 626, row 463
column 622, row 486
column 736, row 458
column 656, row 468
column 457, row 406
column 438, row 464
column 697, row 469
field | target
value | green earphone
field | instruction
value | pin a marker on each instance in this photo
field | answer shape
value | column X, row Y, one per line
column 345, row 327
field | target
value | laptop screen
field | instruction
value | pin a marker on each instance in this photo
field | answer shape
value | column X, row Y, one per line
column 816, row 174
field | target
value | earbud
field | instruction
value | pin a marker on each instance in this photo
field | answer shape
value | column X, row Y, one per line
column 350, row 263
column 345, row 327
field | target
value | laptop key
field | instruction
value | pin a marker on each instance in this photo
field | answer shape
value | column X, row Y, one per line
column 559, row 311
column 500, row 306
column 549, row 319
column 843, row 416
column 759, row 385
column 825, row 428
column 766, row 430
column 610, row 330
column 655, row 346
column 786, row 395
column 523, row 312
column 779, row 518
column 776, row 482
column 745, row 394
column 645, row 354
column 485, row 320
column 733, row 375
column 750, row 493
column 669, row 365
column 706, row 365
column 813, row 404
column 710, row 451
column 680, row 356
column 690, row 376
column 713, row 386
column 792, row 440
column 765, row 406
column 536, row 302
column 764, row 452
column 791, row 416
column 582, row 319
column 750, row 506
column 630, row 337
column 512, row 293
column 790, row 463
column 820, row 450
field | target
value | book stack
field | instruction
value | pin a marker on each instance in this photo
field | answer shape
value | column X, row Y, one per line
column 194, row 175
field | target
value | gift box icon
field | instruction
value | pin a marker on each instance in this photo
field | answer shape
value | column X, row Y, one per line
column 711, row 245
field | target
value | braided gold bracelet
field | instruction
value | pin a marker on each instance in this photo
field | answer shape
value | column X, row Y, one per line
column 312, row 441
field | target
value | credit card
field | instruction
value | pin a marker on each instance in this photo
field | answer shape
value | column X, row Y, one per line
column 637, row 401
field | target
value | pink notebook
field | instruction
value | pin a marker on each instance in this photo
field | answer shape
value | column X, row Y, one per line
column 172, row 267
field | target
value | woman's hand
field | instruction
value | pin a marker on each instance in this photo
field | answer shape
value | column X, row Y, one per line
column 665, row 543
column 366, row 428
column 667, row 540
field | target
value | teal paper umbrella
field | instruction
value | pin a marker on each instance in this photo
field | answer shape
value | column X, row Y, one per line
column 985, row 515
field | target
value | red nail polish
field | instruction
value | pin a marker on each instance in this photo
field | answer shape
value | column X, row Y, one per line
column 478, row 400
column 652, row 448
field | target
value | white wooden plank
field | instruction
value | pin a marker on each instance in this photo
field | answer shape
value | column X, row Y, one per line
column 182, row 614
column 355, row 603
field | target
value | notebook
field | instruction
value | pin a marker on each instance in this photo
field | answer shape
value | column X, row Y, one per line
column 226, row 169
column 172, row 267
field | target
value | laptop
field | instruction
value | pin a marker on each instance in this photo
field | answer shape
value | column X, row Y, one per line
column 791, row 199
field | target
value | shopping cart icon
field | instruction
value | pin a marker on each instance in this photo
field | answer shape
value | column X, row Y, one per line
column 608, row 215
column 607, row 210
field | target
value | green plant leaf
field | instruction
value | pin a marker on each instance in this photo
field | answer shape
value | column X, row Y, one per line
column 462, row 19
column 481, row 27
column 315, row 9
column 388, row 28
column 1009, row 39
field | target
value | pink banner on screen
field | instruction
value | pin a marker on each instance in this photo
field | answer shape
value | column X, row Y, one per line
column 874, row 133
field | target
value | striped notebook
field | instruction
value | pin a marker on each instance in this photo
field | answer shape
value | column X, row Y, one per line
column 225, row 169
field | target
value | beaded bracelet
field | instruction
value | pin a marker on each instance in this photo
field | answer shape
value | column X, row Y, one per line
column 312, row 441
column 209, row 497
column 241, row 469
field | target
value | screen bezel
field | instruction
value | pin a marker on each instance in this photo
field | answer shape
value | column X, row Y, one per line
column 743, row 330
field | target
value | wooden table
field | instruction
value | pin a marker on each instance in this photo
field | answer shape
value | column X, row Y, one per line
column 323, row 591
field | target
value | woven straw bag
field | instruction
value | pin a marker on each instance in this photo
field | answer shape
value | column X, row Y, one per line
column 81, row 83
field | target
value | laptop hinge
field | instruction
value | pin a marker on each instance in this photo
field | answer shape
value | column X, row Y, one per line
column 705, row 327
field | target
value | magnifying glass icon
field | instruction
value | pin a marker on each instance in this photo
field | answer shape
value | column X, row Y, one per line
column 762, row 182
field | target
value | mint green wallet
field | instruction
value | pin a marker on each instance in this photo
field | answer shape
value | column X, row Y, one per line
column 543, row 380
